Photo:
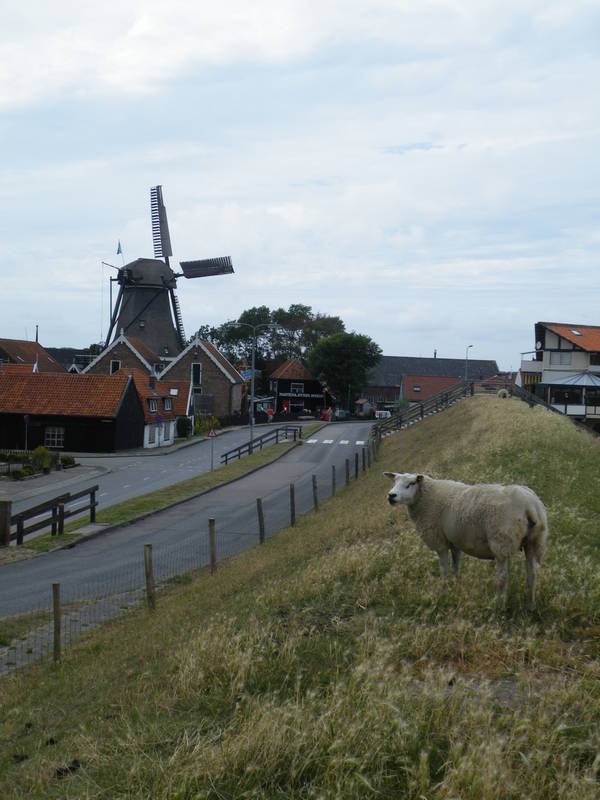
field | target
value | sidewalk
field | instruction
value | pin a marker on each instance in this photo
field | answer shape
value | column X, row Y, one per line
column 17, row 491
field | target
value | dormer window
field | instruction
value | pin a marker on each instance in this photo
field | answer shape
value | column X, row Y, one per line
column 152, row 405
column 416, row 388
column 115, row 365
column 167, row 403
column 575, row 332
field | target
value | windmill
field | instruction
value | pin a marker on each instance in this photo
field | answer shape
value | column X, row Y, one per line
column 147, row 306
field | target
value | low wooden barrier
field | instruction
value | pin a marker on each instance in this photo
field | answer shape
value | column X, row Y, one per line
column 57, row 510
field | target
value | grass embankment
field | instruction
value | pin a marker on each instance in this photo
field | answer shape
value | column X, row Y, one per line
column 129, row 510
column 331, row 663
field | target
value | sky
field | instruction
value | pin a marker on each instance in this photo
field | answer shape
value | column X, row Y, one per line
column 427, row 171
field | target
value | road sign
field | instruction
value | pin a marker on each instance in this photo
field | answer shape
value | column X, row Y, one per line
column 158, row 418
column 212, row 434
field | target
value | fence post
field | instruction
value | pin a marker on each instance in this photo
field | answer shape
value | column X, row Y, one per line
column 333, row 480
column 347, row 472
column 315, row 493
column 369, row 455
column 54, row 520
column 213, row 545
column 61, row 518
column 92, row 505
column 57, row 620
column 150, row 596
column 364, row 460
column 261, row 520
column 5, row 514
column 292, row 505
column 20, row 530
column 356, row 465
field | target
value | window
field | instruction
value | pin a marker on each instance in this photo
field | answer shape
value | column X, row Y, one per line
column 54, row 437
column 151, row 434
column 560, row 357
column 166, row 430
column 297, row 388
column 167, row 403
column 416, row 388
column 196, row 373
column 594, row 359
column 115, row 365
column 152, row 404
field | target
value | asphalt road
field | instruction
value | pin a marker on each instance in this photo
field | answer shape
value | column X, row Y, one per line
column 122, row 477
column 111, row 560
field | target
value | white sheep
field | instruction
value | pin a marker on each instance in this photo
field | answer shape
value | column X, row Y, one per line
column 489, row 521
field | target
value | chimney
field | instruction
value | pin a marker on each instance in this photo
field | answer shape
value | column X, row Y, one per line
column 435, row 353
column 36, row 334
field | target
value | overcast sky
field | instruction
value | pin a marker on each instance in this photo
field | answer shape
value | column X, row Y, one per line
column 428, row 171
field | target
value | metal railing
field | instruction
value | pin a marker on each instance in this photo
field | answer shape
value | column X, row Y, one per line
column 419, row 410
column 277, row 435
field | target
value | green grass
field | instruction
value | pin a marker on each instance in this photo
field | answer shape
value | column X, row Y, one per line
column 331, row 662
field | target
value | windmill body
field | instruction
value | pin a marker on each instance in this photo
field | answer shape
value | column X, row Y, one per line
column 147, row 306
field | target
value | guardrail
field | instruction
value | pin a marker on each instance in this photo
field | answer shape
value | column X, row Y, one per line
column 277, row 435
column 419, row 410
column 57, row 514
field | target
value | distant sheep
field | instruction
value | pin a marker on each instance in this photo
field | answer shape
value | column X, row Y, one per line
column 489, row 521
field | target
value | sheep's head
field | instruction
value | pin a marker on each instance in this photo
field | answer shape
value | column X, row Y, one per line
column 406, row 487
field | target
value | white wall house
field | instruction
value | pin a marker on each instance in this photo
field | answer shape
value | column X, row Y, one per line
column 564, row 369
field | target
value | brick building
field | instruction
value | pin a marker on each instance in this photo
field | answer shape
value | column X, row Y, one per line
column 125, row 352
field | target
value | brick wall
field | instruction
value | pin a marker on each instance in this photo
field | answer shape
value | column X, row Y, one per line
column 119, row 352
column 226, row 396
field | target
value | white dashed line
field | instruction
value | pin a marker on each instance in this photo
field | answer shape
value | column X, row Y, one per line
column 311, row 441
column 327, row 441
column 359, row 441
column 146, row 479
column 102, row 494
column 344, row 441
column 126, row 485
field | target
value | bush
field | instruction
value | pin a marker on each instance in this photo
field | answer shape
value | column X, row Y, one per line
column 202, row 425
column 42, row 458
column 67, row 461
column 184, row 426
column 24, row 472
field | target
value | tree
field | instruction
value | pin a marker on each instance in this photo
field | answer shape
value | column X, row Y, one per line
column 343, row 362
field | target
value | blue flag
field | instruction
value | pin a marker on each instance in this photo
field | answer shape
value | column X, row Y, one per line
column 119, row 250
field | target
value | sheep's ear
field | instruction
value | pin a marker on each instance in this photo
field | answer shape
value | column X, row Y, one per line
column 392, row 475
column 419, row 479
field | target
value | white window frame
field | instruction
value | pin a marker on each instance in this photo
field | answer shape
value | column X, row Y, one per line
column 54, row 436
column 151, row 434
column 167, row 403
column 296, row 388
column 112, row 368
column 562, row 357
column 152, row 405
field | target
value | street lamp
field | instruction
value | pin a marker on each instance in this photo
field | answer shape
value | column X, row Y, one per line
column 254, row 329
column 467, row 361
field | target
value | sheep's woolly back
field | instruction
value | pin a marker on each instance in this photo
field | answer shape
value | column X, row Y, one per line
column 485, row 520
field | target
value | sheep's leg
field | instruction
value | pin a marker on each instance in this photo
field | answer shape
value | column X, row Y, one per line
column 456, row 555
column 443, row 557
column 502, row 570
column 530, row 560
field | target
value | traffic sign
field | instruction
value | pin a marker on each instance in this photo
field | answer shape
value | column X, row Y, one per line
column 212, row 434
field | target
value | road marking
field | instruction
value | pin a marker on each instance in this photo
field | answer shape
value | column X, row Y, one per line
column 344, row 441
column 146, row 479
column 311, row 441
column 327, row 441
column 359, row 441
column 126, row 485
column 102, row 494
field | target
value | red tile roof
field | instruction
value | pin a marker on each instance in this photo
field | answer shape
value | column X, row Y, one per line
column 61, row 394
column 20, row 351
column 16, row 369
column 292, row 369
column 429, row 385
column 149, row 355
column 161, row 389
column 588, row 338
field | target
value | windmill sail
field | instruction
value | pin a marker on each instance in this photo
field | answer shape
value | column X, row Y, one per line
column 160, row 226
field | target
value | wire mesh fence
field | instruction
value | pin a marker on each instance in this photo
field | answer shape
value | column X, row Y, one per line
column 44, row 632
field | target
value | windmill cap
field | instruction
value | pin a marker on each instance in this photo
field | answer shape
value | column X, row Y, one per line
column 147, row 272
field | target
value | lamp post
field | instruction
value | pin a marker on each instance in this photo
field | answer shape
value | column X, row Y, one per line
column 467, row 361
column 254, row 329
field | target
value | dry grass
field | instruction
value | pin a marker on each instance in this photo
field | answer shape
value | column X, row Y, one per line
column 330, row 662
